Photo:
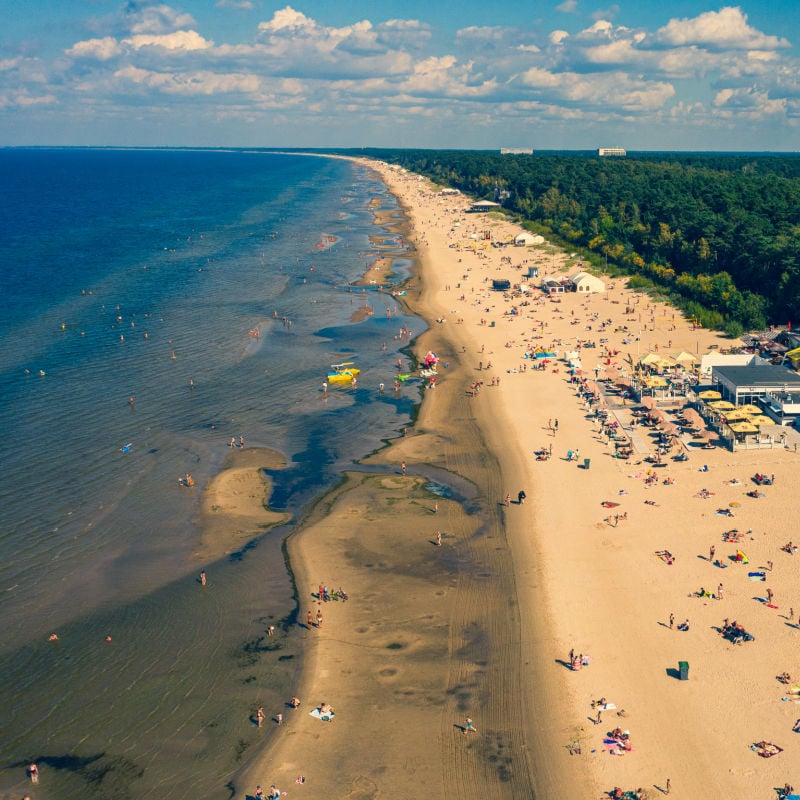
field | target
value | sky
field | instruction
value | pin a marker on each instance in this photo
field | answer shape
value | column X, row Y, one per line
column 474, row 74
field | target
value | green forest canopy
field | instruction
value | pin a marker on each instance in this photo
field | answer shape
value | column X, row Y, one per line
column 718, row 233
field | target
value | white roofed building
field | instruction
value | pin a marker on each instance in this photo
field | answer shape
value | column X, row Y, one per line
column 586, row 283
column 525, row 239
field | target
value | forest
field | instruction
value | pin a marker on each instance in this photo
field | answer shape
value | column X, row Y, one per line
column 718, row 234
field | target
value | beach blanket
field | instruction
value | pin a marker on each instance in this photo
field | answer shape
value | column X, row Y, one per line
column 766, row 749
column 317, row 714
column 757, row 576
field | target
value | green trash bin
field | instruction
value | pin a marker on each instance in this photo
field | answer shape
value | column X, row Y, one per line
column 586, row 463
column 683, row 669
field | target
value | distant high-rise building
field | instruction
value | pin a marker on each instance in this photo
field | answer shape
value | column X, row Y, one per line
column 618, row 152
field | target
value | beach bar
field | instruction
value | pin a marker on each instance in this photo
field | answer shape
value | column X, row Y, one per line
column 752, row 383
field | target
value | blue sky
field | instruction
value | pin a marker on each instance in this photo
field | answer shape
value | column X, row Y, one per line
column 678, row 75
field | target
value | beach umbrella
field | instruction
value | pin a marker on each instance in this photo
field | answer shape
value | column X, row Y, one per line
column 649, row 402
column 721, row 405
column 666, row 362
column 670, row 428
column 743, row 427
column 693, row 418
column 762, row 421
column 709, row 394
column 734, row 416
column 650, row 358
column 684, row 358
column 749, row 408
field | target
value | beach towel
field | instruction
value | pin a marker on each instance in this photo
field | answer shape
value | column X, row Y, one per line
column 317, row 714
column 757, row 576
column 766, row 749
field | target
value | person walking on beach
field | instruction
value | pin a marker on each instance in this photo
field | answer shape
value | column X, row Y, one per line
column 711, row 551
column 671, row 621
column 719, row 592
column 403, row 468
column 668, row 787
column 33, row 773
column 438, row 538
column 319, row 618
column 310, row 619
column 469, row 727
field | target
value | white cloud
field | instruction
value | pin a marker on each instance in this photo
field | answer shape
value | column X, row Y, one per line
column 611, row 89
column 751, row 102
column 287, row 19
column 726, row 28
column 188, row 83
column 156, row 18
column 179, row 40
column 100, row 49
column 557, row 37
column 568, row 7
column 22, row 99
column 242, row 5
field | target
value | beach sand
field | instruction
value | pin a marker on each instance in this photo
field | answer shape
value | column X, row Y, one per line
column 234, row 503
column 481, row 626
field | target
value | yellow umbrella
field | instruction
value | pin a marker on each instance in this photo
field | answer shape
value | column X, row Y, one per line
column 709, row 394
column 743, row 427
column 762, row 421
column 749, row 408
column 734, row 416
column 721, row 405
column 685, row 358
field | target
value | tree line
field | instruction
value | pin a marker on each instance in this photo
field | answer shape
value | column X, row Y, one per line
column 719, row 234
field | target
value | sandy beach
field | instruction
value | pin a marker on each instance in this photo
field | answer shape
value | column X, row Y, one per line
column 482, row 625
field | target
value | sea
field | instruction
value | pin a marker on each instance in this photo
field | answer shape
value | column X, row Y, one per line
column 156, row 304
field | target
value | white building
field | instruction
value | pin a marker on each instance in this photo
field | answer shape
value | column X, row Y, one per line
column 586, row 283
column 618, row 152
column 526, row 239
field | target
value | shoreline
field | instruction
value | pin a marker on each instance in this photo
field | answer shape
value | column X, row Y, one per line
column 514, row 588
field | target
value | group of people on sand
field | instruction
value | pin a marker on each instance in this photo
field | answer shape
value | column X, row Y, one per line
column 273, row 793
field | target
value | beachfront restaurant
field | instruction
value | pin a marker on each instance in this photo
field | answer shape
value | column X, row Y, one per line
column 752, row 383
column 740, row 414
